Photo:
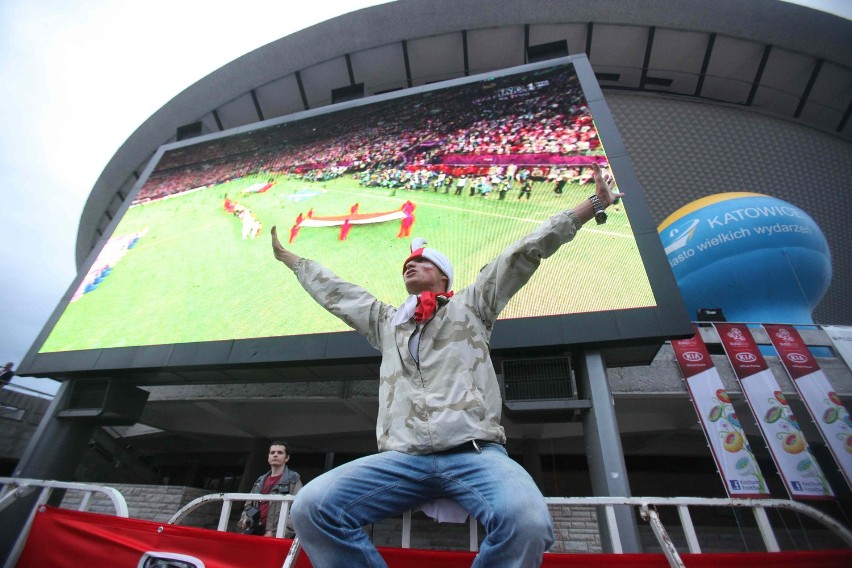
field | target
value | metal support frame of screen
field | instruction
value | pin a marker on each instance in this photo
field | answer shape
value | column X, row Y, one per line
column 629, row 336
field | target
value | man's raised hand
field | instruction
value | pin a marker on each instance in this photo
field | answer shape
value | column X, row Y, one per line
column 280, row 252
column 603, row 186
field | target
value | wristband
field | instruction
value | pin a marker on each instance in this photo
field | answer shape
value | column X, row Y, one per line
column 600, row 214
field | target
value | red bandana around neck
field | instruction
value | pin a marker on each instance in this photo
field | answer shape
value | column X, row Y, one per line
column 426, row 304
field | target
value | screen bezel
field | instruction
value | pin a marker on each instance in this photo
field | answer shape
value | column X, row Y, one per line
column 631, row 336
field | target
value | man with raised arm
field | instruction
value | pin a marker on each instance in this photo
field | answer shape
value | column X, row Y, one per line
column 439, row 435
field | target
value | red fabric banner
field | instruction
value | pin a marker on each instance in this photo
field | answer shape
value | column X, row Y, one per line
column 692, row 355
column 61, row 538
column 742, row 351
column 71, row 539
column 539, row 159
column 795, row 355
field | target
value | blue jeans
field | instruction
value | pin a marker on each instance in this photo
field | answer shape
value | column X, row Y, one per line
column 328, row 512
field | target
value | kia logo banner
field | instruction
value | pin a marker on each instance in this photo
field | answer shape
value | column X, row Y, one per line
column 726, row 439
column 823, row 404
column 800, row 472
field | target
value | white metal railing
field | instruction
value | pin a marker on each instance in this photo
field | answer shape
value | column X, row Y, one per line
column 647, row 507
column 14, row 488
column 227, row 500
column 648, row 512
column 15, row 387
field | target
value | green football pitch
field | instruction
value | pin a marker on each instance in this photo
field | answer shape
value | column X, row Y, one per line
column 192, row 276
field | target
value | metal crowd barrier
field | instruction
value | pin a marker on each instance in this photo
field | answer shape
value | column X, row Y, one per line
column 15, row 488
column 227, row 500
column 648, row 511
column 647, row 507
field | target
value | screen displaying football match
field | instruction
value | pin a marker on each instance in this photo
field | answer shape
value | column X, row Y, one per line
column 470, row 166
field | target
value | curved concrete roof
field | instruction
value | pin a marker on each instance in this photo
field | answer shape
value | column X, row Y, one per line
column 764, row 55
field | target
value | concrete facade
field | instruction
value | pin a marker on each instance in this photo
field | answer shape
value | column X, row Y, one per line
column 20, row 414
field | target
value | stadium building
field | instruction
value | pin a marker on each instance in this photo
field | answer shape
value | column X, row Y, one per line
column 727, row 98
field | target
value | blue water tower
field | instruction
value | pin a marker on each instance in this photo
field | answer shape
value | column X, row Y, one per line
column 758, row 258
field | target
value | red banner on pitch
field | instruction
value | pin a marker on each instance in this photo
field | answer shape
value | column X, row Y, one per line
column 801, row 473
column 734, row 459
column 815, row 390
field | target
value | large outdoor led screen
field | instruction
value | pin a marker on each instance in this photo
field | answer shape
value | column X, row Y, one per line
column 471, row 165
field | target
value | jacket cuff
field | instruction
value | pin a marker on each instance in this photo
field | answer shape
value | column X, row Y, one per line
column 298, row 266
column 575, row 219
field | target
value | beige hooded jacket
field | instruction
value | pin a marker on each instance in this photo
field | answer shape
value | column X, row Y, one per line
column 452, row 396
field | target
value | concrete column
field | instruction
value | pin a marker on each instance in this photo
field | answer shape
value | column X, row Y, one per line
column 57, row 445
column 257, row 464
column 532, row 460
column 53, row 453
column 603, row 449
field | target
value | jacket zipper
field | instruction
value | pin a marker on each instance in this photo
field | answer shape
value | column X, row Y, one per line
column 419, row 342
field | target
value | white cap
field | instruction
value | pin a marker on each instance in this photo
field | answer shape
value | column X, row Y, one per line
column 419, row 249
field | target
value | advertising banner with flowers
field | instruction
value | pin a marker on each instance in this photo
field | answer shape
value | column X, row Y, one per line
column 800, row 472
column 841, row 338
column 731, row 451
column 815, row 390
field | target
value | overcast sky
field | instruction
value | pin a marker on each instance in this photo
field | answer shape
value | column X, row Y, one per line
column 77, row 77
